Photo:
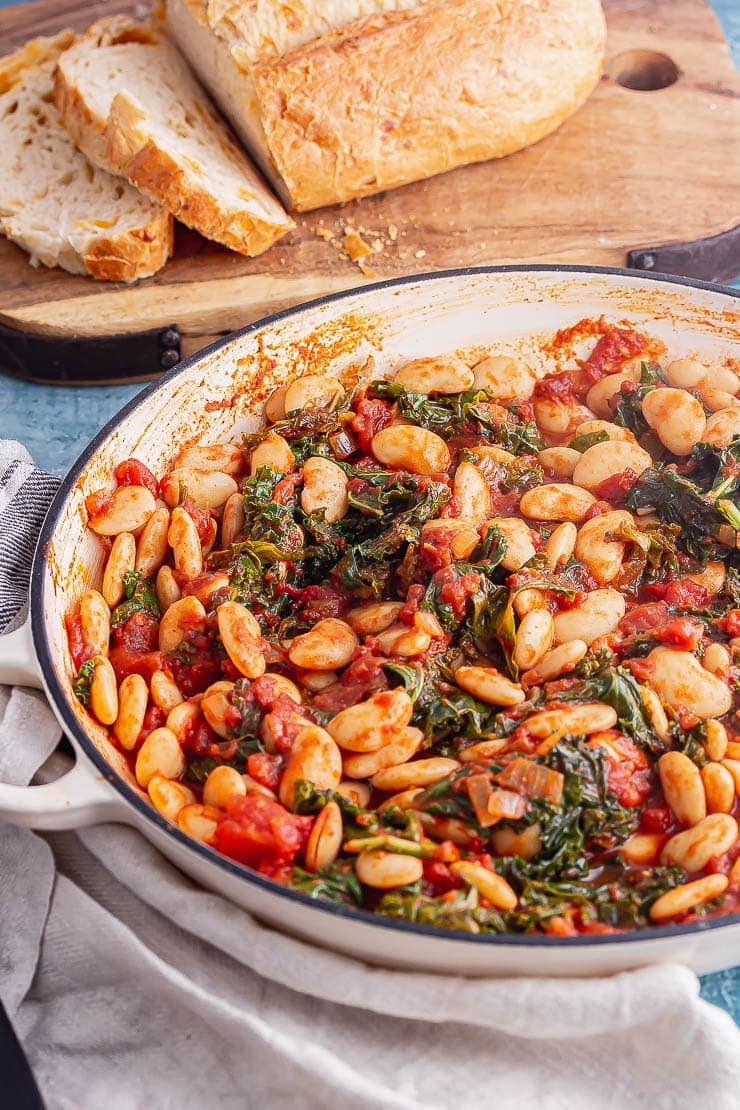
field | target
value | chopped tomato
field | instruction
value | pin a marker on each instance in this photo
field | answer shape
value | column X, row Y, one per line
column 657, row 819
column 413, row 598
column 78, row 649
column 641, row 669
column 126, row 662
column 202, row 668
column 731, row 622
column 153, row 718
column 371, row 416
column 438, row 878
column 316, row 603
column 285, row 720
column 615, row 487
column 365, row 675
column 265, row 769
column 261, row 833
column 285, row 489
column 653, row 614
column 681, row 633
column 199, row 737
column 200, row 517
column 132, row 472
column 456, row 589
column 563, row 387
column 679, row 593
column 599, row 508
column 98, row 502
column 615, row 347
column 139, row 633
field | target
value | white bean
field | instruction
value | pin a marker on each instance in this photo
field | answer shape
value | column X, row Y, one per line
column 504, row 378
column 372, row 723
column 182, row 536
column 403, row 641
column 208, row 489
column 275, row 404
column 446, row 374
column 199, row 821
column 607, row 460
column 315, row 757
column 181, row 616
column 723, row 426
column 121, row 560
column 420, row 772
column 168, row 591
column 557, row 501
column 489, row 685
column 613, row 431
column 719, row 787
column 312, row 391
column 274, row 452
column 682, row 682
column 222, row 784
column 387, row 870
column 324, row 488
column 558, row 418
column 683, row 787
column 104, row 691
column 165, row 693
column 571, row 720
column 687, row 373
column 717, row 399
column 242, row 638
column 562, row 461
column 160, row 754
column 597, row 615
column 330, row 644
column 232, row 521
column 716, row 660
column 493, row 887
column 216, row 706
column 518, row 538
column 604, row 396
column 561, row 543
column 152, row 548
column 366, row 764
column 169, row 797
column 471, row 493
column 597, row 547
column 693, row 848
column 687, row 896
column 534, row 638
column 226, row 457
column 127, row 510
column 133, row 698
column 369, row 620
column 676, row 417
column 325, row 839
column 95, row 621
column 558, row 661
column 711, row 577
column 406, row 447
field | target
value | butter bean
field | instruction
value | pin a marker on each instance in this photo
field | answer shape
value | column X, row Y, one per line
column 325, row 839
column 133, row 698
column 95, row 621
column 533, row 638
column 324, row 488
column 208, row 489
column 607, row 460
column 493, row 887
column 489, row 685
column 683, row 787
column 597, row 547
column 420, row 772
column 153, row 545
column 562, row 461
column 518, row 538
column 676, row 417
column 558, row 661
column 182, row 536
column 506, row 379
column 127, row 510
column 372, row 723
column 160, row 754
column 387, row 870
column 406, row 447
column 313, row 391
column 446, row 374
column 330, row 644
column 597, row 615
column 693, row 848
column 723, row 426
column 187, row 613
column 168, row 797
column 369, row 620
column 556, row 501
column 121, row 560
column 314, row 757
column 471, row 493
column 687, row 896
column 274, row 452
column 681, row 682
column 366, row 764
column 225, row 457
column 104, row 691
column 561, row 543
column 242, row 638
column 719, row 787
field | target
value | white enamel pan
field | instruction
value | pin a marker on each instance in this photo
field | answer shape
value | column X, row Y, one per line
column 511, row 309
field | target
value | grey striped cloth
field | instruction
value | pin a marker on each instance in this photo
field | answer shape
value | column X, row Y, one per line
column 25, row 495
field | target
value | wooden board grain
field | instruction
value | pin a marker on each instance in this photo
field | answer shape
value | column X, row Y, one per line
column 631, row 169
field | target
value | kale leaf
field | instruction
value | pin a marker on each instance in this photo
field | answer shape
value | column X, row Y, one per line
column 677, row 500
column 81, row 685
column 139, row 597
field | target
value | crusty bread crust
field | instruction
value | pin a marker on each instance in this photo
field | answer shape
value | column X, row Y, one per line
column 405, row 95
column 124, row 256
column 121, row 143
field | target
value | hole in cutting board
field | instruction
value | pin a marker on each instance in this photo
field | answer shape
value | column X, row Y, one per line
column 643, row 70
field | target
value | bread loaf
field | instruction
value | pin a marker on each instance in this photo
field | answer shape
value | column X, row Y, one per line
column 344, row 103
column 53, row 202
column 130, row 103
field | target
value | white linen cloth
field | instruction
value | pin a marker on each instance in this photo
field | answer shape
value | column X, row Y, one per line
column 131, row 987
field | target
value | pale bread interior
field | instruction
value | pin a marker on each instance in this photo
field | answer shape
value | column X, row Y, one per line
column 146, row 91
column 53, row 202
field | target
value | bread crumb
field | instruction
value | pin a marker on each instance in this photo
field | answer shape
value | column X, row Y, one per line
column 355, row 246
column 420, row 254
column 392, row 232
column 323, row 233
column 367, row 270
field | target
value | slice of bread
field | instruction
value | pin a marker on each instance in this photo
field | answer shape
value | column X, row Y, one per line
column 224, row 39
column 131, row 105
column 53, row 202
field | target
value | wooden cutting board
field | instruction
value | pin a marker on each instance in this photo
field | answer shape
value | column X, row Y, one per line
column 636, row 169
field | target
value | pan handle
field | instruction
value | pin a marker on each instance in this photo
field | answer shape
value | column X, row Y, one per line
column 18, row 663
column 79, row 797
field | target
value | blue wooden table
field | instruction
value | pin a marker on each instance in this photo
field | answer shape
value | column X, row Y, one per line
column 55, row 423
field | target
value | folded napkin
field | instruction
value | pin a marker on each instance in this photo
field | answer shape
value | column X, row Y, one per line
column 131, row 987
